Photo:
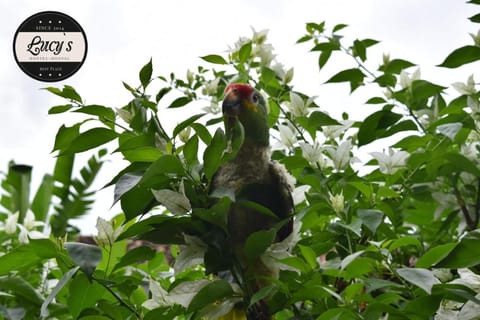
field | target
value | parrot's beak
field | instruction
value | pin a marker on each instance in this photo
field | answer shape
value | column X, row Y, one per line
column 232, row 104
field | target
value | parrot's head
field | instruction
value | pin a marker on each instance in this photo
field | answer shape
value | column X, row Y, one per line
column 245, row 104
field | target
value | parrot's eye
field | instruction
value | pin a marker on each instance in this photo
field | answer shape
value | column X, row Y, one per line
column 255, row 98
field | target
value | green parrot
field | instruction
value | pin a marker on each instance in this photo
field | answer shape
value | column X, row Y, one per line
column 253, row 178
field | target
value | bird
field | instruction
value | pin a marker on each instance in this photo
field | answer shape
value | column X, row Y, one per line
column 253, row 177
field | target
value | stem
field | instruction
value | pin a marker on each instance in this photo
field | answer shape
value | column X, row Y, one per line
column 477, row 205
column 121, row 301
column 461, row 202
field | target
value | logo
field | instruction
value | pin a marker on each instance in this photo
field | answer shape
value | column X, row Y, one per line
column 50, row 46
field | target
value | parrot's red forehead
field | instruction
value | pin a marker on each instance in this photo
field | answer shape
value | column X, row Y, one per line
column 243, row 89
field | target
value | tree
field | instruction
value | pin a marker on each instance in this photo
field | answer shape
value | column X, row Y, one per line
column 394, row 236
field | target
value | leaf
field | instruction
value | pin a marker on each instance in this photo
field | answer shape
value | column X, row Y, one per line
column 461, row 56
column 244, row 52
column 213, row 154
column 376, row 100
column 258, row 242
column 42, row 200
column 67, row 92
column 309, row 255
column 211, row 293
column 19, row 178
column 339, row 27
column 186, row 123
column 370, row 218
column 375, row 124
column 475, row 18
column 263, row 293
column 90, row 139
column 63, row 281
column 403, row 242
column 65, row 136
column 422, row 278
column 466, row 253
column 86, row 256
column 84, row 294
column 22, row 289
column 354, row 76
column 179, row 102
column 60, row 109
column 145, row 74
column 135, row 255
column 396, row 66
column 125, row 184
column 434, row 255
column 175, row 202
column 213, row 58
column 350, row 258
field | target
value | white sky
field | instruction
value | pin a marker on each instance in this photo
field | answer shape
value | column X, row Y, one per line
column 123, row 35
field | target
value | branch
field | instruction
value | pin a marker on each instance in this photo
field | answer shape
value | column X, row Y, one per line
column 471, row 224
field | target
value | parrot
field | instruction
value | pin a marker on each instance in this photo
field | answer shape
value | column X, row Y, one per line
column 252, row 176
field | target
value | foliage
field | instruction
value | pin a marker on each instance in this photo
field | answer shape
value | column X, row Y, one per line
column 394, row 236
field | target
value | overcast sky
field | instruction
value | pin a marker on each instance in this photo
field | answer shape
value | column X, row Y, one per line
column 123, row 35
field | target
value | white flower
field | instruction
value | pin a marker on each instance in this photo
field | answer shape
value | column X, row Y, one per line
column 287, row 135
column 106, row 233
column 259, row 37
column 210, row 89
column 23, row 235
column 391, row 162
column 184, row 135
column 29, row 221
column 297, row 106
column 466, row 88
column 406, row 80
column 313, row 153
column 190, row 76
column 213, row 108
column 341, row 155
column 11, row 223
column 335, row 131
column 279, row 69
column 298, row 194
column 264, row 52
column 239, row 43
column 337, row 202
column 386, row 58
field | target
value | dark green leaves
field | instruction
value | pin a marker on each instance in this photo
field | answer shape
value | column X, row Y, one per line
column 212, row 156
column 86, row 256
column 396, row 66
column 381, row 124
column 67, row 92
column 213, row 292
column 354, row 76
column 461, row 56
column 146, row 74
column 258, row 242
column 465, row 254
column 213, row 58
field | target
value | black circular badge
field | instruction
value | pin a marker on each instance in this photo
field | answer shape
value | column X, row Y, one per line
column 50, row 46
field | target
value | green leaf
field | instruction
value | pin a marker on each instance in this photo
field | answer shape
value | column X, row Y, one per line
column 86, row 256
column 466, row 253
column 475, row 18
column 309, row 255
column 403, row 242
column 434, row 255
column 19, row 178
column 145, row 74
column 323, row 58
column 63, row 281
column 258, row 242
column 339, row 27
column 375, row 124
column 354, row 76
column 26, row 256
column 263, row 293
column 90, row 139
column 84, row 294
column 370, row 218
column 422, row 278
column 213, row 154
column 67, row 92
column 65, row 135
column 360, row 50
column 376, row 100
column 60, row 109
column 186, row 123
column 244, row 52
column 214, row 291
column 461, row 56
column 175, row 202
column 396, row 66
column 213, row 58
column 42, row 200
column 21, row 289
column 179, row 102
column 135, row 255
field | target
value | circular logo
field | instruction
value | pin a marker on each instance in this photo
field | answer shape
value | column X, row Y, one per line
column 50, row 46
